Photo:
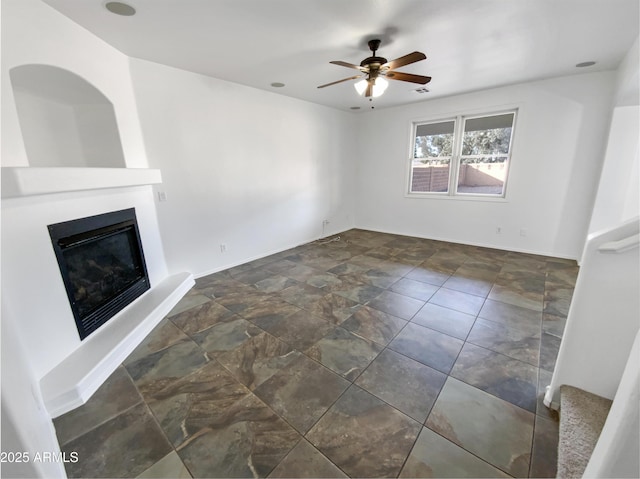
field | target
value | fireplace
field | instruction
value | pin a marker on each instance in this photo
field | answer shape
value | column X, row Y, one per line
column 102, row 265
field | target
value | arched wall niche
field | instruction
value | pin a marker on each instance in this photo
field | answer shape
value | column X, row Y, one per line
column 65, row 120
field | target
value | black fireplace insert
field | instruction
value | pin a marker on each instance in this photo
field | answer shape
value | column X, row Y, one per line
column 102, row 265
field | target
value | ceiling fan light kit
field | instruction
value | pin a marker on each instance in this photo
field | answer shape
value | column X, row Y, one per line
column 378, row 87
column 375, row 69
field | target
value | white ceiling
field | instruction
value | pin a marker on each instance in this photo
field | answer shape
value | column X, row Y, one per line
column 470, row 44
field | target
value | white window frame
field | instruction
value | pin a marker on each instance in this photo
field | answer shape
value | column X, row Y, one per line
column 456, row 157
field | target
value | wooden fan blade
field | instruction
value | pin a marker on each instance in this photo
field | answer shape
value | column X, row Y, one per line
column 340, row 81
column 408, row 77
column 405, row 60
column 349, row 65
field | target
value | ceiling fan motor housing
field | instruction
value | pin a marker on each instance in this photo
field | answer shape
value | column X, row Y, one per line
column 373, row 62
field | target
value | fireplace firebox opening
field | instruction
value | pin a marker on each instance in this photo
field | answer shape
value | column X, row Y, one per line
column 102, row 265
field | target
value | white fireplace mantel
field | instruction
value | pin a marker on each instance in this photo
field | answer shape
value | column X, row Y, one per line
column 18, row 181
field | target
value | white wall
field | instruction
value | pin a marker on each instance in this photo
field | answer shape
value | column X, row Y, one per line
column 99, row 136
column 618, row 197
column 64, row 120
column 26, row 427
column 557, row 155
column 631, row 205
column 49, row 130
column 253, row 170
column 34, row 33
column 38, row 329
column 628, row 77
column 616, row 453
column 603, row 319
column 596, row 353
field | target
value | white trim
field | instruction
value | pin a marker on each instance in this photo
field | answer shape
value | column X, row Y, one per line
column 548, row 400
column 19, row 181
column 269, row 253
column 458, row 197
column 471, row 243
column 621, row 246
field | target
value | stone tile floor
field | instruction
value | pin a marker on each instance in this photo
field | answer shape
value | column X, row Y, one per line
column 376, row 355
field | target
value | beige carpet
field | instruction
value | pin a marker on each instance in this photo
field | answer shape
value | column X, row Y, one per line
column 582, row 417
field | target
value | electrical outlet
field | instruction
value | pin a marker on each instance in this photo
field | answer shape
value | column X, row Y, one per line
column 498, row 230
column 223, row 248
column 523, row 232
column 162, row 196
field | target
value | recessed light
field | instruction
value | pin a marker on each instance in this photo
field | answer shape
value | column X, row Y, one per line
column 354, row 108
column 120, row 8
column 585, row 64
column 277, row 84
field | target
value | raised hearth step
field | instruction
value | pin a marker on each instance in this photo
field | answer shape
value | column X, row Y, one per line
column 72, row 382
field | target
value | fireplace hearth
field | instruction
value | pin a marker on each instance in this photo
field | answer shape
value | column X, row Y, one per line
column 102, row 265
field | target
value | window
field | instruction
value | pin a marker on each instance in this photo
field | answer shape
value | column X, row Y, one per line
column 462, row 156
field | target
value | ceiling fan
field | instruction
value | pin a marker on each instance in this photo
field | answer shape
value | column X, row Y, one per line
column 375, row 68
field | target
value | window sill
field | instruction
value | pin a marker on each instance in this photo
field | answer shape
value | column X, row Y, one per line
column 442, row 196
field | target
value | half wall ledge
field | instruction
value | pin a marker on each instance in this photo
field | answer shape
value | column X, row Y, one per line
column 18, row 181
column 72, row 382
